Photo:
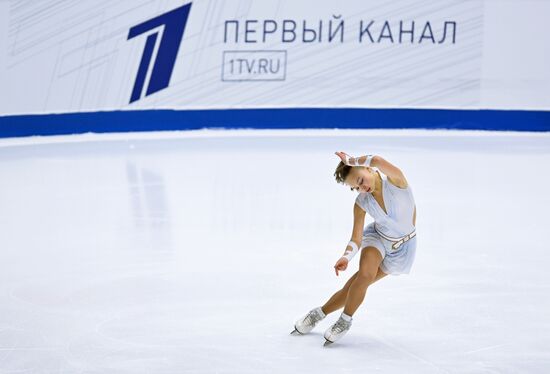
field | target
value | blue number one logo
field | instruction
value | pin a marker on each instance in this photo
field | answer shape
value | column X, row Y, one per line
column 174, row 25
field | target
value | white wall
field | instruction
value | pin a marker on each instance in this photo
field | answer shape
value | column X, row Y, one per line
column 516, row 54
column 74, row 56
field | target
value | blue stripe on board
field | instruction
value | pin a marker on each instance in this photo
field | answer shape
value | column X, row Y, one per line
column 316, row 118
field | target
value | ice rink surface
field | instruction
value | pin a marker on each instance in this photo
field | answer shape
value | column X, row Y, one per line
column 196, row 252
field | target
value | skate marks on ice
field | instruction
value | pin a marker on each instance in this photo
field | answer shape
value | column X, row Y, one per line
column 408, row 353
column 193, row 354
column 373, row 343
column 123, row 302
column 483, row 349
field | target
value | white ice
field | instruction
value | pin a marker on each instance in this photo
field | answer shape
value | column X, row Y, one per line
column 196, row 252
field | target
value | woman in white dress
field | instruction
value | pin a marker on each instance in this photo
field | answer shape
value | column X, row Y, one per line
column 387, row 246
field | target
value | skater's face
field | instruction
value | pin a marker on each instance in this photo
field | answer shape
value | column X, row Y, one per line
column 361, row 179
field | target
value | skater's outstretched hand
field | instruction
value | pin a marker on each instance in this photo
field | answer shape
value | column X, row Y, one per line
column 346, row 159
column 341, row 265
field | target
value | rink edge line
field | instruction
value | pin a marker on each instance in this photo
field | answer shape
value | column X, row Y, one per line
column 258, row 133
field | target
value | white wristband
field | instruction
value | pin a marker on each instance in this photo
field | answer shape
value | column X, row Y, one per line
column 368, row 160
column 355, row 162
column 354, row 249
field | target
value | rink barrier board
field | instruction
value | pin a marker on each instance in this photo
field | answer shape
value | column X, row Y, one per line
column 283, row 118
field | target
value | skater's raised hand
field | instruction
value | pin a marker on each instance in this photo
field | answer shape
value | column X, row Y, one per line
column 341, row 265
column 346, row 159
column 354, row 161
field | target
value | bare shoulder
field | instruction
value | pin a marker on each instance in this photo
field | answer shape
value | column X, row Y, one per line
column 393, row 173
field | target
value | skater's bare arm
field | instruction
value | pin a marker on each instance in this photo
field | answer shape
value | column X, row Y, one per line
column 394, row 174
column 356, row 236
column 358, row 224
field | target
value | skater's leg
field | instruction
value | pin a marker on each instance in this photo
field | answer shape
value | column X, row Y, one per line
column 368, row 270
column 338, row 300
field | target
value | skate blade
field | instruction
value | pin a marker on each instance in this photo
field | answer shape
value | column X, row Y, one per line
column 296, row 332
column 327, row 343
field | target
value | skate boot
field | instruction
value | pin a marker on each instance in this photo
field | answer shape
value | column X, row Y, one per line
column 338, row 329
column 308, row 322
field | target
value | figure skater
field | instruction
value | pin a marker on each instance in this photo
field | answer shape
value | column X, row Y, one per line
column 388, row 245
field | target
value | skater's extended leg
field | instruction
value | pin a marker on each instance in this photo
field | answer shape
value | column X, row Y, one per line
column 368, row 270
column 338, row 300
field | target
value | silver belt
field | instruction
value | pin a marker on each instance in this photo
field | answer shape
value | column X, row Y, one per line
column 397, row 242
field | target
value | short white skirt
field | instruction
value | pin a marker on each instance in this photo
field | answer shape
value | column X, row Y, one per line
column 394, row 262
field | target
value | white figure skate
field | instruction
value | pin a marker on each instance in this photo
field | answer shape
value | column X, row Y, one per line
column 308, row 322
column 337, row 330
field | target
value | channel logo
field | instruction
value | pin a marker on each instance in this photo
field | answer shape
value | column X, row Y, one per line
column 170, row 26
